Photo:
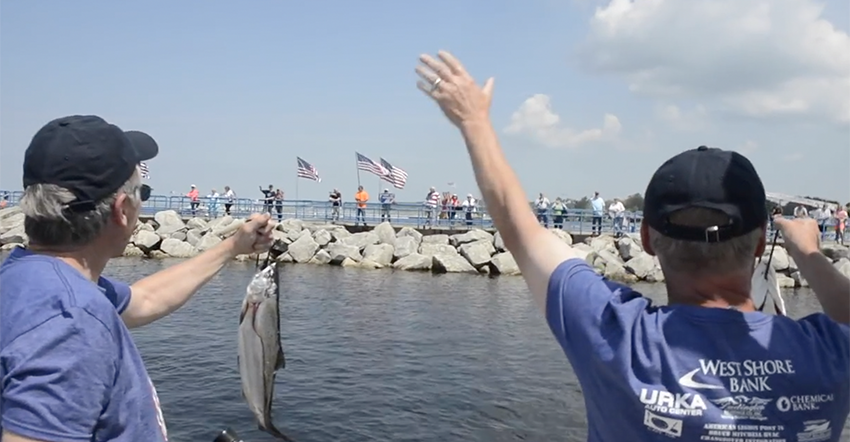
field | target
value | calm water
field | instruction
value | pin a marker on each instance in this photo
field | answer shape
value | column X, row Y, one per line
column 374, row 356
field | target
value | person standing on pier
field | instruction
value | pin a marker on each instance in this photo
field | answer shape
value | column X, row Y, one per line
column 823, row 215
column 432, row 201
column 559, row 210
column 542, row 207
column 840, row 224
column 278, row 204
column 361, row 197
column 229, row 199
column 705, row 363
column 617, row 211
column 194, row 199
column 470, row 206
column 597, row 204
column 268, row 198
column 387, row 201
column 335, row 198
column 212, row 204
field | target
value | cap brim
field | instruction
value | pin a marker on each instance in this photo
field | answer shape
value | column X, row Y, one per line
column 146, row 147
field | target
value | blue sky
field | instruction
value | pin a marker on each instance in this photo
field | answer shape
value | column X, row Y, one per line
column 590, row 95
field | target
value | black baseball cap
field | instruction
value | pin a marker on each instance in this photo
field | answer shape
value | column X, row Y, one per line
column 709, row 178
column 86, row 155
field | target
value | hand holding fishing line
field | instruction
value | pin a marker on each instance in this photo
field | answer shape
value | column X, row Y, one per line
column 255, row 236
column 801, row 235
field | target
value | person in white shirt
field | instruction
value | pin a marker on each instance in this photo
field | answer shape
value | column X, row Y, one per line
column 229, row 199
column 469, row 207
column 542, row 206
column 617, row 212
column 598, row 206
column 432, row 200
column 823, row 216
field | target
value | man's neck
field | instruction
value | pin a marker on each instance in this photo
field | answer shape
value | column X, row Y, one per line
column 85, row 260
column 727, row 291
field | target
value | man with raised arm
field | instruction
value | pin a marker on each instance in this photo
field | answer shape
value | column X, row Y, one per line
column 69, row 370
column 706, row 367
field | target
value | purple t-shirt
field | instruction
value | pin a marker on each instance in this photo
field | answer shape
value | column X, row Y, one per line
column 68, row 365
column 688, row 373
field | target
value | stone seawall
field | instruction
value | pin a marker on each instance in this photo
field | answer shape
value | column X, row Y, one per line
column 167, row 235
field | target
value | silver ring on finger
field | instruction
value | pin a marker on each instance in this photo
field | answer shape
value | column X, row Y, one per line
column 436, row 84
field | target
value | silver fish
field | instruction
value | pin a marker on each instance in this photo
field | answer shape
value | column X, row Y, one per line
column 260, row 352
column 765, row 288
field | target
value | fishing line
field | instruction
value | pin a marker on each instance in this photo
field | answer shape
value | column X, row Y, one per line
column 770, row 257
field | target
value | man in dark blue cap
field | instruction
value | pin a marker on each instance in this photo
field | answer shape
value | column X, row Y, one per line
column 708, row 366
column 69, row 368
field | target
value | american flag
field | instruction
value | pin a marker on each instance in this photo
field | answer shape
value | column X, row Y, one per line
column 364, row 163
column 397, row 176
column 143, row 168
column 306, row 170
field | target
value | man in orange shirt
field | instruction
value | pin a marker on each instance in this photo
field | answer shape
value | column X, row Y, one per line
column 361, row 197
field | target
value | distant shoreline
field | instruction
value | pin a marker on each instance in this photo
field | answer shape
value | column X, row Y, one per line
column 475, row 251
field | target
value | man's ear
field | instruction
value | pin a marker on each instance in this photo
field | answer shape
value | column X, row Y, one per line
column 762, row 245
column 644, row 239
column 119, row 210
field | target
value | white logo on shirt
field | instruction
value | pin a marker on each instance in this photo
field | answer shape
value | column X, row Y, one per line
column 746, row 376
column 662, row 424
column 815, row 431
column 660, row 401
column 806, row 402
column 688, row 381
column 742, row 407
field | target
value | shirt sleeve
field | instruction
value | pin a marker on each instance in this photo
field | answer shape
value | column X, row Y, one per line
column 117, row 292
column 58, row 377
column 583, row 307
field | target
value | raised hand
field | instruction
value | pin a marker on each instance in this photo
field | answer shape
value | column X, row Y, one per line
column 447, row 82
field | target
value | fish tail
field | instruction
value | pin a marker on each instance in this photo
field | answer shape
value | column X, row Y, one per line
column 271, row 429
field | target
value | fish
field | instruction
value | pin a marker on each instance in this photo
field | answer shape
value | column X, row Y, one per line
column 765, row 290
column 260, row 351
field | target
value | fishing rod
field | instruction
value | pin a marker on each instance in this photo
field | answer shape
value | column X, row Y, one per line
column 770, row 257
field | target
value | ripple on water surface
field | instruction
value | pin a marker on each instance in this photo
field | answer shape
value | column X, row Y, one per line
column 373, row 356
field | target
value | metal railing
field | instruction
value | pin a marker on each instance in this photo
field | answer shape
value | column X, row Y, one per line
column 576, row 221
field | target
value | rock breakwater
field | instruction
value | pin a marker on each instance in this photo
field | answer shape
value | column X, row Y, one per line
column 167, row 235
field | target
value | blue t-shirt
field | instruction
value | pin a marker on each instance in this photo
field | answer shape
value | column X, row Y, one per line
column 68, row 365
column 598, row 205
column 689, row 373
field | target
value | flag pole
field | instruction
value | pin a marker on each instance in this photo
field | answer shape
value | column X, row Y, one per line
column 357, row 168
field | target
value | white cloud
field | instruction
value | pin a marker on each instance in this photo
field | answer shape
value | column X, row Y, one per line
column 683, row 119
column 536, row 119
column 792, row 157
column 759, row 58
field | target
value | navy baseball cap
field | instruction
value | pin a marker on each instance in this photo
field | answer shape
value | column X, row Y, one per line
column 87, row 156
column 709, row 178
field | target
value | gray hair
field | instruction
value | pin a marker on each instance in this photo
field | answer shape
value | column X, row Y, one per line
column 48, row 223
column 692, row 257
